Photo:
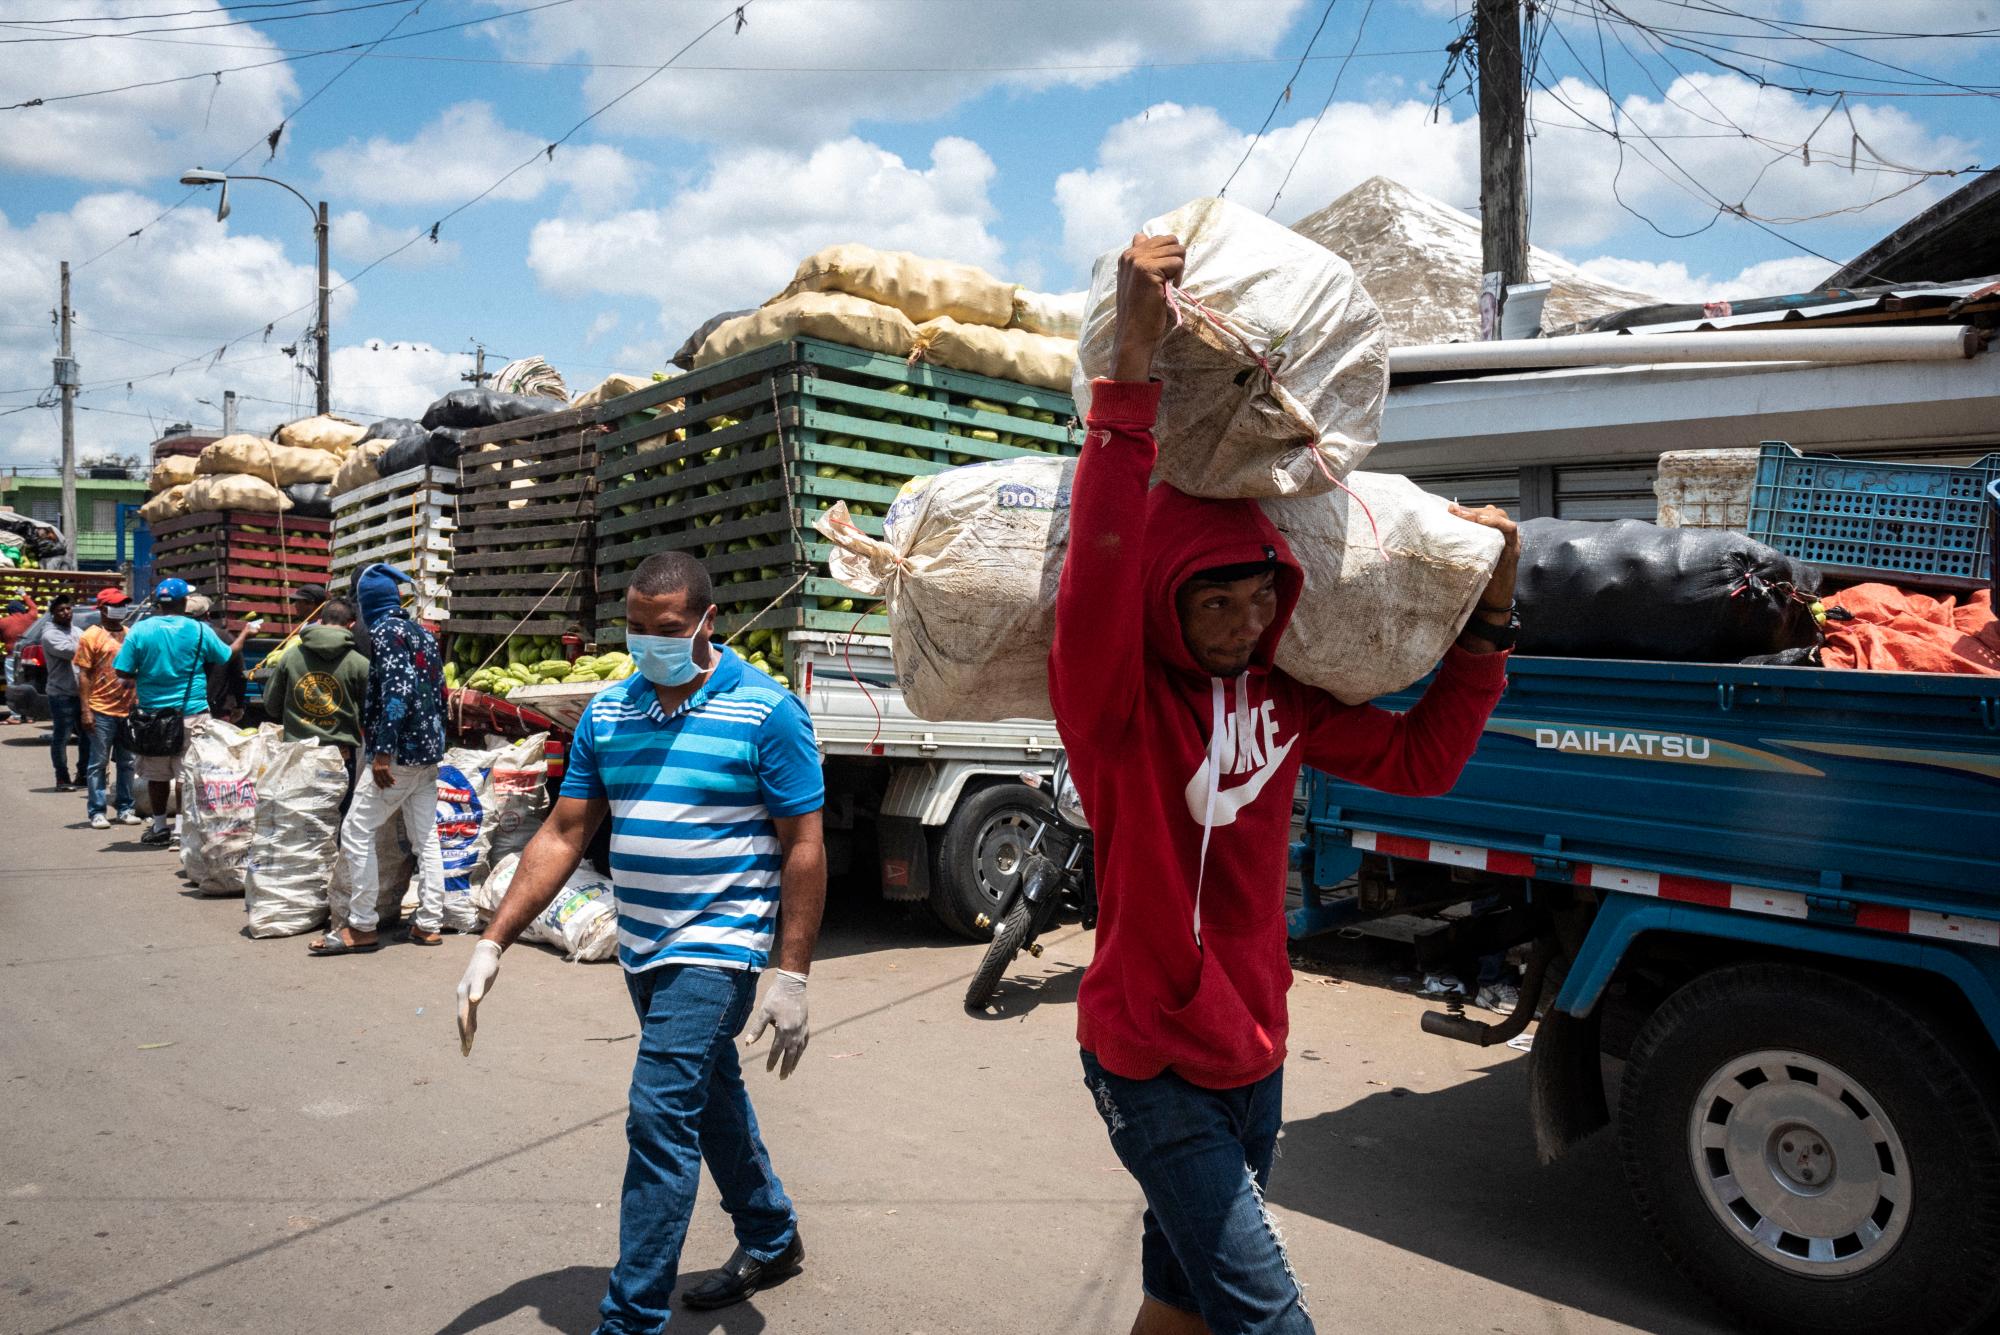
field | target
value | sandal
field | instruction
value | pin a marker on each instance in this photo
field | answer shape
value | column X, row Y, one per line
column 333, row 945
column 417, row 936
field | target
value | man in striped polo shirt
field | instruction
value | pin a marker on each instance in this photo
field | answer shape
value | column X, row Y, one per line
column 711, row 776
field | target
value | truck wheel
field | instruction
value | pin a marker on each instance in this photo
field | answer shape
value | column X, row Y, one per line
column 1815, row 1154
column 980, row 857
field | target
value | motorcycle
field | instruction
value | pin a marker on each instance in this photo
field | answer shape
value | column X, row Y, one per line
column 1055, row 876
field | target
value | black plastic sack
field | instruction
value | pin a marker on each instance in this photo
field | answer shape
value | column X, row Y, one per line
column 1632, row 590
column 311, row 500
column 395, row 429
column 466, row 408
column 685, row 357
column 407, row 453
column 444, row 444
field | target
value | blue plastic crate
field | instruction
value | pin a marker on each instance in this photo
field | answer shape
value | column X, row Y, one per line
column 1860, row 517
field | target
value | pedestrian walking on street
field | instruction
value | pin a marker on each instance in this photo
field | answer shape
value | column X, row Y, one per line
column 59, row 641
column 317, row 686
column 402, row 730
column 1185, row 744
column 107, row 701
column 166, row 657
column 15, row 620
column 711, row 776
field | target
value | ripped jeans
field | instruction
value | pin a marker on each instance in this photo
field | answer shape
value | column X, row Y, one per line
column 1203, row 1159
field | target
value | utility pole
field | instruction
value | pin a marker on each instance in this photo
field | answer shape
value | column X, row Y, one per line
column 1503, row 147
column 325, row 398
column 228, row 412
column 476, row 377
column 66, row 381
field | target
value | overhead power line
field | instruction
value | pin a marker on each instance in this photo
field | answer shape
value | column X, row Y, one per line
column 1284, row 96
column 1338, row 75
column 190, row 27
column 172, row 14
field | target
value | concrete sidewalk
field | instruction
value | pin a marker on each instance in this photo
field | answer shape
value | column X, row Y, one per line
column 204, row 1132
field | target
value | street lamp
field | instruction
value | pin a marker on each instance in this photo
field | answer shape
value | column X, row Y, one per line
column 200, row 176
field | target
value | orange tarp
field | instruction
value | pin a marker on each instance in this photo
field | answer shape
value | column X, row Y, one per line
column 1895, row 630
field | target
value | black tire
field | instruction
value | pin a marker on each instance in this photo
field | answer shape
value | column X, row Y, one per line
column 980, row 856
column 1007, row 939
column 1847, row 1096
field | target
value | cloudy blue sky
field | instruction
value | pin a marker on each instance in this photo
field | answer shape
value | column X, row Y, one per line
column 1024, row 135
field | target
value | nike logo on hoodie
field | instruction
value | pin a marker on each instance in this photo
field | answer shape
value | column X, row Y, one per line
column 1254, row 749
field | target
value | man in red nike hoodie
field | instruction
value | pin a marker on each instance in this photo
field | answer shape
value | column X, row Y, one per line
column 1185, row 744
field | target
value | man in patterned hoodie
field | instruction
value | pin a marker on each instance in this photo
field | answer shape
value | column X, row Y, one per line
column 402, row 736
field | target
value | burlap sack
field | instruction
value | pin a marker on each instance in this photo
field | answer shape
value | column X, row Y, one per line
column 834, row 316
column 358, row 469
column 1006, row 354
column 609, row 388
column 171, row 471
column 969, row 568
column 1057, row 313
column 235, row 491
column 1371, row 619
column 972, row 559
column 920, row 288
column 1278, row 370
column 283, row 465
column 335, row 435
column 169, row 504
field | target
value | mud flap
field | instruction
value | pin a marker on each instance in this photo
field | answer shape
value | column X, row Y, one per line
column 906, row 860
column 1565, row 1083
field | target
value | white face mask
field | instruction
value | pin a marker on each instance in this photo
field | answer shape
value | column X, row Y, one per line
column 665, row 660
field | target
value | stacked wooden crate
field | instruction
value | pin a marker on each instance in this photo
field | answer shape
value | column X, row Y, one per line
column 41, row 585
column 250, row 562
column 522, row 553
column 407, row 519
column 735, row 462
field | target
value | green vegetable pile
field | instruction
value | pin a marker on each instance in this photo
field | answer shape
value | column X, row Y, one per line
column 528, row 660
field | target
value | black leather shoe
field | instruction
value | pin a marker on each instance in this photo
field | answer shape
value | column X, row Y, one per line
column 742, row 1276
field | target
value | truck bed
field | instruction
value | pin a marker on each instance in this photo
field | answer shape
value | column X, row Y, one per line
column 849, row 686
column 1841, row 796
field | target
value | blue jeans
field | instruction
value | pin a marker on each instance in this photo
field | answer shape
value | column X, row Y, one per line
column 65, row 722
column 108, row 740
column 688, row 1106
column 1203, row 1159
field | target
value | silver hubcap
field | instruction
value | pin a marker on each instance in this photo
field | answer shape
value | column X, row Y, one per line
column 1799, row 1164
column 1003, row 847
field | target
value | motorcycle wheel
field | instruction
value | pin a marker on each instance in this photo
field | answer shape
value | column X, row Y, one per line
column 1007, row 940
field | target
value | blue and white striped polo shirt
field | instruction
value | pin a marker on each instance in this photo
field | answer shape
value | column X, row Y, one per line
column 694, row 850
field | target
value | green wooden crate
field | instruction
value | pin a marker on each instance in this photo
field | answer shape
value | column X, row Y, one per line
column 737, row 461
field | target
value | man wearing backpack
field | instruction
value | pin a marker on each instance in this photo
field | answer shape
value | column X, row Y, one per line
column 166, row 657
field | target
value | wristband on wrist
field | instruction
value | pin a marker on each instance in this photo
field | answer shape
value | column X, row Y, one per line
column 1506, row 611
column 1502, row 638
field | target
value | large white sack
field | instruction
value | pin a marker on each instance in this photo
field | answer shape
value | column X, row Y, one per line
column 1005, row 354
column 1058, row 313
column 298, row 836
column 490, row 802
column 233, row 491
column 1372, row 620
column 1254, row 295
column 972, row 559
column 581, row 921
column 169, row 504
column 920, row 288
column 360, row 466
column 219, row 772
column 282, row 465
column 969, row 568
column 519, row 778
column 170, row 470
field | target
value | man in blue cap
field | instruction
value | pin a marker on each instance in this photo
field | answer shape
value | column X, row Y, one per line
column 166, row 657
column 402, row 736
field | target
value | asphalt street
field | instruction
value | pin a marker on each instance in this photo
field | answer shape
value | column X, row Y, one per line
column 204, row 1132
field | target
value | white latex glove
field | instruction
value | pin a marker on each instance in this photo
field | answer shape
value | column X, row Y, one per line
column 785, row 1009
column 480, row 972
column 254, row 624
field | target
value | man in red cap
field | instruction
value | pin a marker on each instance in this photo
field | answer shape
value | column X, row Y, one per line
column 106, row 700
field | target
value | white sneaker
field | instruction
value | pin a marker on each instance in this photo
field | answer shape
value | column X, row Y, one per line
column 1500, row 998
column 130, row 818
column 98, row 822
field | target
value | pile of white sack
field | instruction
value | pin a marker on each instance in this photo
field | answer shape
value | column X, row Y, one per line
column 252, row 473
column 889, row 301
column 581, row 921
column 1275, row 378
column 490, row 803
column 219, row 773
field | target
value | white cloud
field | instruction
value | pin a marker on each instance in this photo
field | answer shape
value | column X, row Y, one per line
column 377, row 378
column 605, row 323
column 735, row 237
column 358, row 237
column 1168, row 154
column 1671, row 281
column 748, row 86
column 465, row 150
column 147, row 135
column 174, row 294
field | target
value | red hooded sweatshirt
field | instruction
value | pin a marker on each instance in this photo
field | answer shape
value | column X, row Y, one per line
column 1188, row 779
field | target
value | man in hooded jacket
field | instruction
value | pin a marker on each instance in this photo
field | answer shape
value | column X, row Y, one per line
column 316, row 687
column 1185, row 744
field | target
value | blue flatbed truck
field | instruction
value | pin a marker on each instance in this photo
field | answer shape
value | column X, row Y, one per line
column 1772, row 896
